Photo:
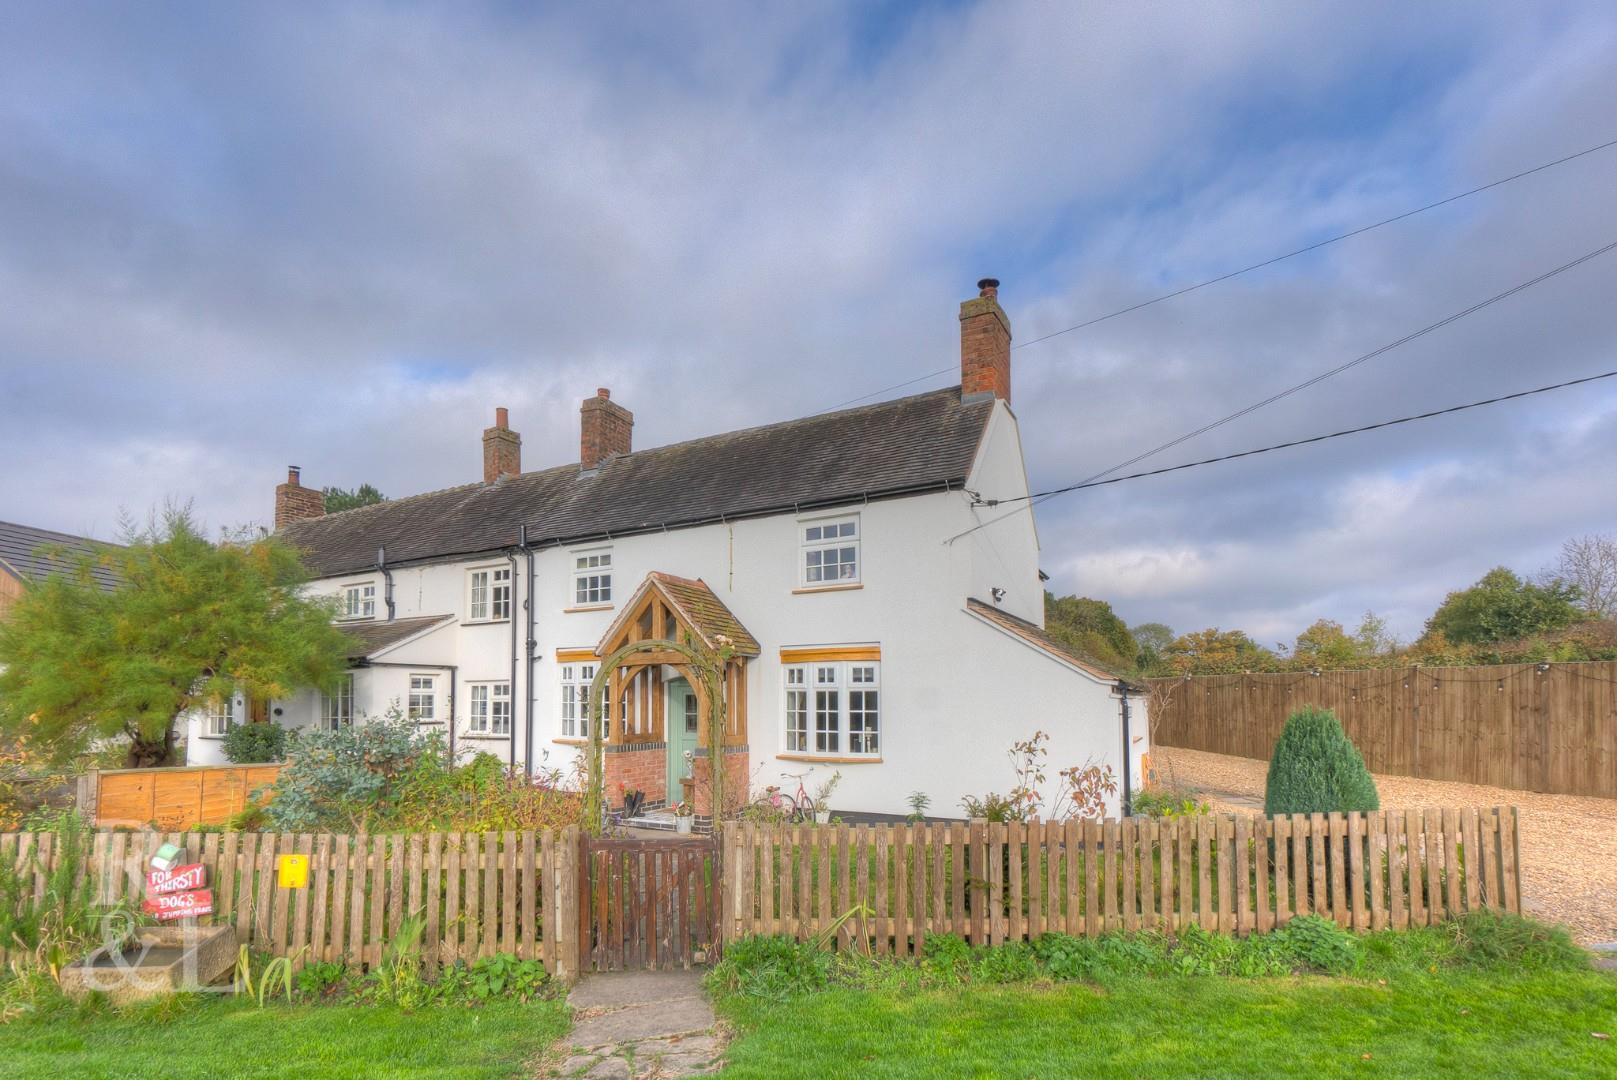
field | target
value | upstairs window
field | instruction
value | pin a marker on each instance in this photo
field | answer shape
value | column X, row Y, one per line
column 359, row 600
column 830, row 552
column 592, row 578
column 833, row 708
column 221, row 711
column 489, row 594
column 490, row 709
column 337, row 710
column 423, row 699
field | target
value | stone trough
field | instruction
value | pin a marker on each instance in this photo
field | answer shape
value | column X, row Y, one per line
column 159, row 960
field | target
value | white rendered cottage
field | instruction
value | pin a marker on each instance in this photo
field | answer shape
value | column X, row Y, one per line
column 875, row 633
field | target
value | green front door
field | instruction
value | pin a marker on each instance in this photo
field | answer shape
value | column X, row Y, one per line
column 682, row 722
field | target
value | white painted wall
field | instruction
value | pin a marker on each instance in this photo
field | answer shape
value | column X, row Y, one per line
column 956, row 692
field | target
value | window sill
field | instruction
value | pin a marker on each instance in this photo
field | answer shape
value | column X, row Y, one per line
column 212, row 738
column 832, row 759
column 587, row 607
column 484, row 622
column 849, row 587
column 485, row 738
column 355, row 618
column 564, row 741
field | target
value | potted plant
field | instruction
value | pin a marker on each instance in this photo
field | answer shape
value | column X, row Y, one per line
column 822, row 798
column 684, row 817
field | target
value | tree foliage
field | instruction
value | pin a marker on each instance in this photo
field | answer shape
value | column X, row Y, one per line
column 254, row 744
column 1316, row 768
column 1589, row 565
column 1091, row 628
column 194, row 621
column 1501, row 607
column 338, row 500
column 1152, row 640
column 1218, row 652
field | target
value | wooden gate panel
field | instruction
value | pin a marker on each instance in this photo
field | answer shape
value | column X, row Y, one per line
column 648, row 903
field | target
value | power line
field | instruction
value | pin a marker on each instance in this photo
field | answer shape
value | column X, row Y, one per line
column 1255, row 266
column 1357, row 360
column 1043, row 495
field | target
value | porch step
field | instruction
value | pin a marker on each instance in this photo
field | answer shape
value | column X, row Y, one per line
column 664, row 822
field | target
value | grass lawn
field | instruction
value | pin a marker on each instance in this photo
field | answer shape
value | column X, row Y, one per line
column 222, row 1038
column 1470, row 1025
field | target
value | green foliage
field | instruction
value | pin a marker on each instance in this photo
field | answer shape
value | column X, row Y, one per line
column 772, row 968
column 1317, row 769
column 337, row 500
column 1091, row 628
column 1152, row 640
column 63, row 922
column 505, row 975
column 1500, row 939
column 320, row 977
column 1166, row 802
column 340, row 780
column 254, row 744
column 194, row 621
column 1217, row 652
column 994, row 807
column 1502, row 607
column 918, row 802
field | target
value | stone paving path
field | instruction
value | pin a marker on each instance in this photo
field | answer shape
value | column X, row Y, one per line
column 639, row 1025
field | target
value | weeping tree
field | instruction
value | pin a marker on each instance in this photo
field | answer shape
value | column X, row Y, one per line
column 192, row 622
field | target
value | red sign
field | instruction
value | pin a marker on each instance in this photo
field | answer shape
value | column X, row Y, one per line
column 180, row 905
column 179, row 879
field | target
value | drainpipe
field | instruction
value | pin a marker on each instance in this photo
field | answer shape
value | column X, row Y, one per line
column 532, row 646
column 1128, row 747
column 387, row 580
column 511, row 754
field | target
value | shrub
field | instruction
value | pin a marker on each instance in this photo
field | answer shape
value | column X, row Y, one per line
column 254, row 744
column 1315, row 944
column 1317, row 769
column 1166, row 802
column 339, row 780
column 1497, row 938
column 773, row 968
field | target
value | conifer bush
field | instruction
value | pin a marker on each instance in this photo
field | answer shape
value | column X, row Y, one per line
column 1317, row 769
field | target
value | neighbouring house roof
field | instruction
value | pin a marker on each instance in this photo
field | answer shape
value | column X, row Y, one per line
column 876, row 451
column 370, row 638
column 695, row 605
column 1035, row 636
column 21, row 553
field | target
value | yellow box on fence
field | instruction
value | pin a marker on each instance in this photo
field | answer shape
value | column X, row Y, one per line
column 292, row 871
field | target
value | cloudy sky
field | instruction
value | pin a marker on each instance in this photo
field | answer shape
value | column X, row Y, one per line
column 233, row 238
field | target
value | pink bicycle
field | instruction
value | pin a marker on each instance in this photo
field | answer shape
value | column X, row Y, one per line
column 796, row 808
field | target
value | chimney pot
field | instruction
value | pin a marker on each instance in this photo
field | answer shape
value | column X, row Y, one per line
column 294, row 502
column 985, row 344
column 502, row 448
column 605, row 428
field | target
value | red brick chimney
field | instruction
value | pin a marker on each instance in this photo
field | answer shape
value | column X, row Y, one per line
column 985, row 344
column 294, row 502
column 605, row 428
column 502, row 449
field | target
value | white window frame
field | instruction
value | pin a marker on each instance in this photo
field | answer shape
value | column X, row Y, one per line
column 813, row 546
column 421, row 704
column 218, row 716
column 488, row 593
column 591, row 578
column 337, row 710
column 485, row 716
column 832, row 708
column 359, row 600
column 576, row 679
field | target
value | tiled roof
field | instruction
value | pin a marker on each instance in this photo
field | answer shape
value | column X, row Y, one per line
column 1036, row 637
column 21, row 552
column 914, row 443
column 705, row 613
column 370, row 638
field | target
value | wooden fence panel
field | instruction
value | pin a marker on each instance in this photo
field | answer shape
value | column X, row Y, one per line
column 1236, row 875
column 1532, row 727
column 177, row 798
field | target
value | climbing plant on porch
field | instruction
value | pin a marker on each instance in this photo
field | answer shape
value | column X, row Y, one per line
column 705, row 669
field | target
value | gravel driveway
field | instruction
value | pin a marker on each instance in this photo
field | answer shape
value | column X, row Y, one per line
column 1568, row 842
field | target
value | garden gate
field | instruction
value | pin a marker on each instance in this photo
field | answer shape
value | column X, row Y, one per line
column 648, row 903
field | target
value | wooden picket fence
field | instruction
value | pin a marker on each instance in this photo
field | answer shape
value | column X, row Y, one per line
column 479, row 893
column 883, row 889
